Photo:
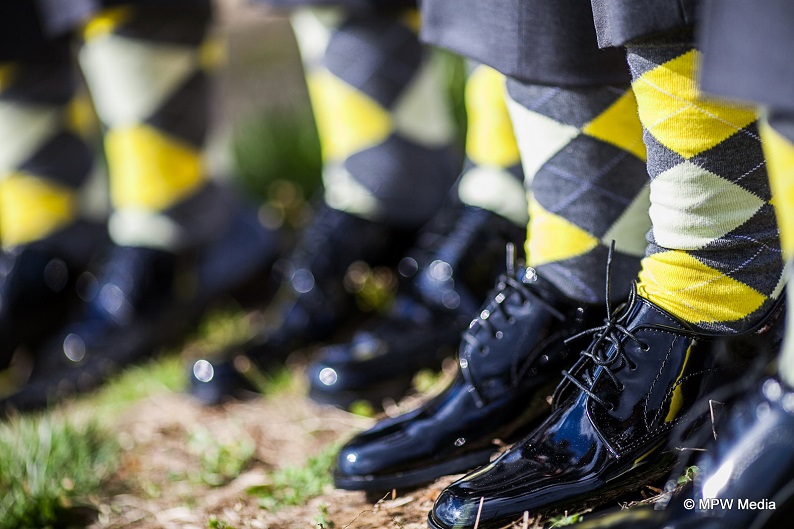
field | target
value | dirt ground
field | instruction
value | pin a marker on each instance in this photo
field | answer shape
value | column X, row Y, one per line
column 155, row 490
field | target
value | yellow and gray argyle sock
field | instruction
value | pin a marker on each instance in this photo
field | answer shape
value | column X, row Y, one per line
column 146, row 69
column 382, row 114
column 584, row 165
column 714, row 253
column 44, row 158
column 777, row 134
column 492, row 178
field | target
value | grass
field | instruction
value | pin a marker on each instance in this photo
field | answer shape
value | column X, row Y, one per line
column 50, row 466
column 321, row 520
column 295, row 485
column 565, row 520
column 220, row 461
column 276, row 145
column 215, row 523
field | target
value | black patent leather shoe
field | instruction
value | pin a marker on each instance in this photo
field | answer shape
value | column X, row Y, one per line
column 642, row 374
column 143, row 299
column 745, row 477
column 509, row 359
column 451, row 270
column 38, row 285
column 118, row 323
column 311, row 304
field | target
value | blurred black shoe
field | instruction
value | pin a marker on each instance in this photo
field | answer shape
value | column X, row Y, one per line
column 38, row 285
column 644, row 372
column 451, row 269
column 142, row 300
column 312, row 303
column 509, row 359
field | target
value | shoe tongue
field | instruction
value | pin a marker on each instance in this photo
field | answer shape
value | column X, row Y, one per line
column 643, row 312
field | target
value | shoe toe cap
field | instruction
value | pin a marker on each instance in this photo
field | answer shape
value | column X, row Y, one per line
column 360, row 458
column 453, row 510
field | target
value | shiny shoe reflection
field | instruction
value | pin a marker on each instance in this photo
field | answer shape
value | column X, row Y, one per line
column 39, row 285
column 644, row 372
column 746, row 475
column 311, row 304
column 450, row 270
column 508, row 358
column 143, row 299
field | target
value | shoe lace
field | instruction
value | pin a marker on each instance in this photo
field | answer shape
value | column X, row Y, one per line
column 511, row 291
column 606, row 348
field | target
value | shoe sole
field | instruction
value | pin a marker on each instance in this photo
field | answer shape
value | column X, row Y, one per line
column 413, row 478
column 607, row 494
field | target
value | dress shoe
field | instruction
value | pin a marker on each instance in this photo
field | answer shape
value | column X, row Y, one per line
column 450, row 271
column 311, row 304
column 644, row 372
column 38, row 285
column 508, row 359
column 141, row 300
column 745, row 477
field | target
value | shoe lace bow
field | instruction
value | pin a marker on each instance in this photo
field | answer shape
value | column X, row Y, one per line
column 607, row 347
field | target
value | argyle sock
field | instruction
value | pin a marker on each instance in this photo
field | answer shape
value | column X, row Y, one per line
column 382, row 114
column 714, row 254
column 44, row 158
column 492, row 178
column 583, row 159
column 777, row 133
column 146, row 69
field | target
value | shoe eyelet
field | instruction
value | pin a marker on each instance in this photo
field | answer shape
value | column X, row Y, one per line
column 621, row 387
column 632, row 366
column 498, row 335
column 611, row 407
column 511, row 320
column 645, row 347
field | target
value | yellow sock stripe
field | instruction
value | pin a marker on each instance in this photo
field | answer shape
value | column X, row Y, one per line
column 677, row 398
column 779, row 153
column 80, row 116
column 149, row 170
column 212, row 53
column 696, row 293
column 105, row 22
column 489, row 139
column 673, row 111
column 7, row 73
column 348, row 121
column 412, row 19
column 32, row 208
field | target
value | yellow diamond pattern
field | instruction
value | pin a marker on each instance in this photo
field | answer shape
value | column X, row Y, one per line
column 620, row 125
column 696, row 293
column 489, row 138
column 31, row 208
column 552, row 238
column 106, row 22
column 7, row 71
column 348, row 121
column 673, row 111
column 150, row 170
column 779, row 153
